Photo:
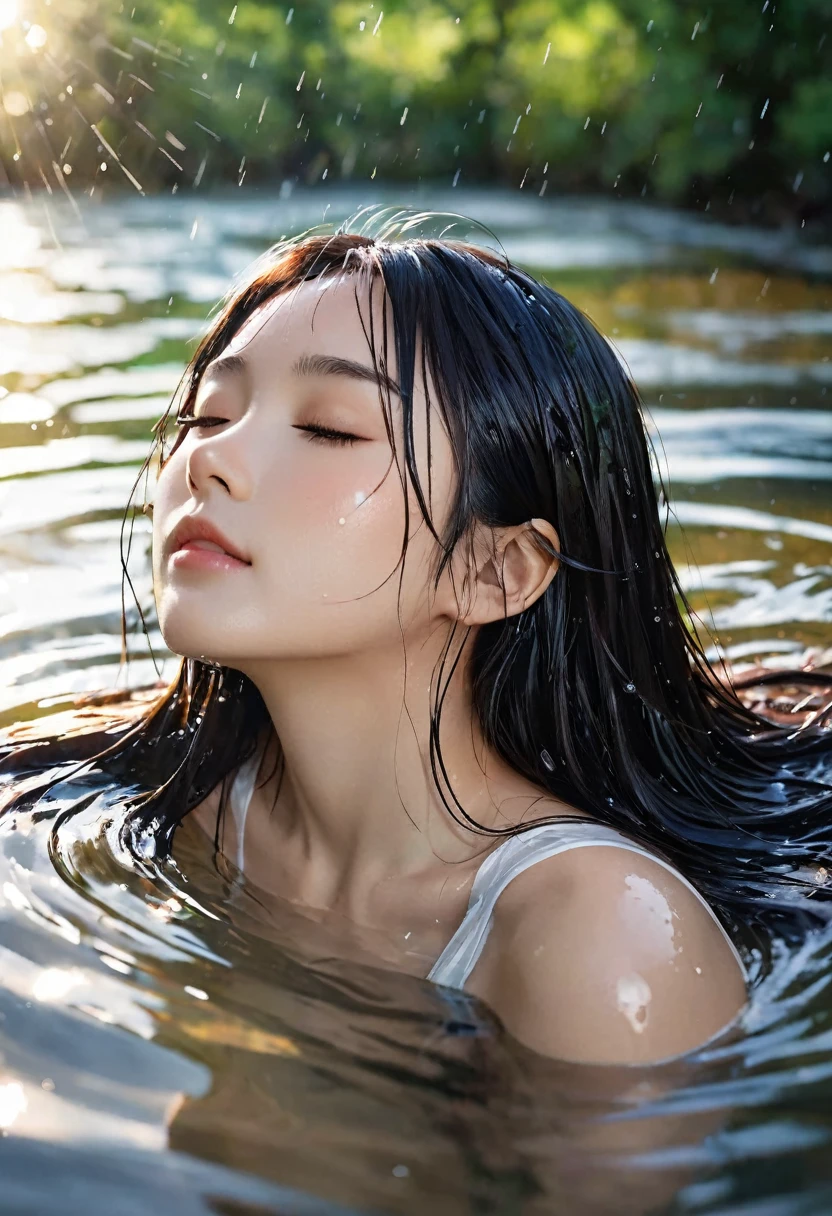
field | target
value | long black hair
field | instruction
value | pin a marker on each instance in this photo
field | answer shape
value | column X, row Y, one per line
column 601, row 691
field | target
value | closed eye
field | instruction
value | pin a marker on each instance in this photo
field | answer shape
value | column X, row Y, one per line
column 202, row 421
column 325, row 434
column 316, row 432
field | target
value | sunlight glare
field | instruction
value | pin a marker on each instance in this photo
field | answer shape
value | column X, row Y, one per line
column 8, row 13
column 19, row 240
column 36, row 38
column 15, row 103
column 12, row 1103
column 55, row 982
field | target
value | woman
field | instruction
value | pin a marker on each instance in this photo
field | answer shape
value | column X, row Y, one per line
column 408, row 541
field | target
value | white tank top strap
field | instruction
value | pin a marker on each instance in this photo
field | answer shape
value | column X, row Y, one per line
column 239, row 798
column 518, row 853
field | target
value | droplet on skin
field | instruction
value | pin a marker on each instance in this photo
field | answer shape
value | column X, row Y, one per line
column 634, row 996
column 342, row 520
column 360, row 497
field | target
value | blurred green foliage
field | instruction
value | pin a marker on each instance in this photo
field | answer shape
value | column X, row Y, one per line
column 730, row 102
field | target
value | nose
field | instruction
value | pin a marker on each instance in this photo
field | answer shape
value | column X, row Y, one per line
column 218, row 459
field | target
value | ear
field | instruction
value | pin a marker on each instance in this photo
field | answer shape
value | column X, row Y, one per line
column 514, row 566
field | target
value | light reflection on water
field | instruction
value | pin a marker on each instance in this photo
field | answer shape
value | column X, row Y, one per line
column 162, row 1037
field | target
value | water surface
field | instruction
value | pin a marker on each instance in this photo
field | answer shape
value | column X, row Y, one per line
column 169, row 1042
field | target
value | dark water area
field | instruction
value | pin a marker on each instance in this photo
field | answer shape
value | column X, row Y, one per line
column 173, row 1039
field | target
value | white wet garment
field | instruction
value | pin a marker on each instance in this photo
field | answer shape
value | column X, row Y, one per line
column 239, row 798
column 512, row 857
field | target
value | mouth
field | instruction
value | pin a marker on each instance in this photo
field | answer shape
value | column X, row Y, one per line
column 204, row 555
column 196, row 543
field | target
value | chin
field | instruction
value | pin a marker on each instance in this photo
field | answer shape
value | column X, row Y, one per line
column 191, row 643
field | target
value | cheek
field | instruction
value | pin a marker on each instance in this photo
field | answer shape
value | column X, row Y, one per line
column 165, row 500
column 344, row 530
column 344, row 497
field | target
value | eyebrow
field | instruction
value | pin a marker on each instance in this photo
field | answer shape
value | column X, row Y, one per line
column 311, row 365
column 333, row 365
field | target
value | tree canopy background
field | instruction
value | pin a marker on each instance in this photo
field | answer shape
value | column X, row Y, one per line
column 722, row 105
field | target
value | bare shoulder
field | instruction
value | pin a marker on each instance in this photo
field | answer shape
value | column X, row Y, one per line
column 603, row 955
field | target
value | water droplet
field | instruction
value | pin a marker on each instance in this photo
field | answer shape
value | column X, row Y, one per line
column 630, row 687
column 342, row 520
column 547, row 760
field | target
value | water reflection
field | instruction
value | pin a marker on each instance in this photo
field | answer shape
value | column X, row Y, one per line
column 166, row 1033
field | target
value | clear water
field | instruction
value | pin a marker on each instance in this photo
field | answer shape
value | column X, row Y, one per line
column 168, row 1045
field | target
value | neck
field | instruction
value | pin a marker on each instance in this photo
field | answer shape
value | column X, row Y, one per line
column 357, row 791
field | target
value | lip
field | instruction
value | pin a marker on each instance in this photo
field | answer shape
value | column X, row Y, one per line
column 184, row 551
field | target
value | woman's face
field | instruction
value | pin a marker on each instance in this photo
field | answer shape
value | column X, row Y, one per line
column 320, row 519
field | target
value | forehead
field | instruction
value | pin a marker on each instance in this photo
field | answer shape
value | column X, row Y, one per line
column 329, row 315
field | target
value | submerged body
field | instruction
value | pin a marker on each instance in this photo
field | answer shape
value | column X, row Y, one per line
column 588, row 947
